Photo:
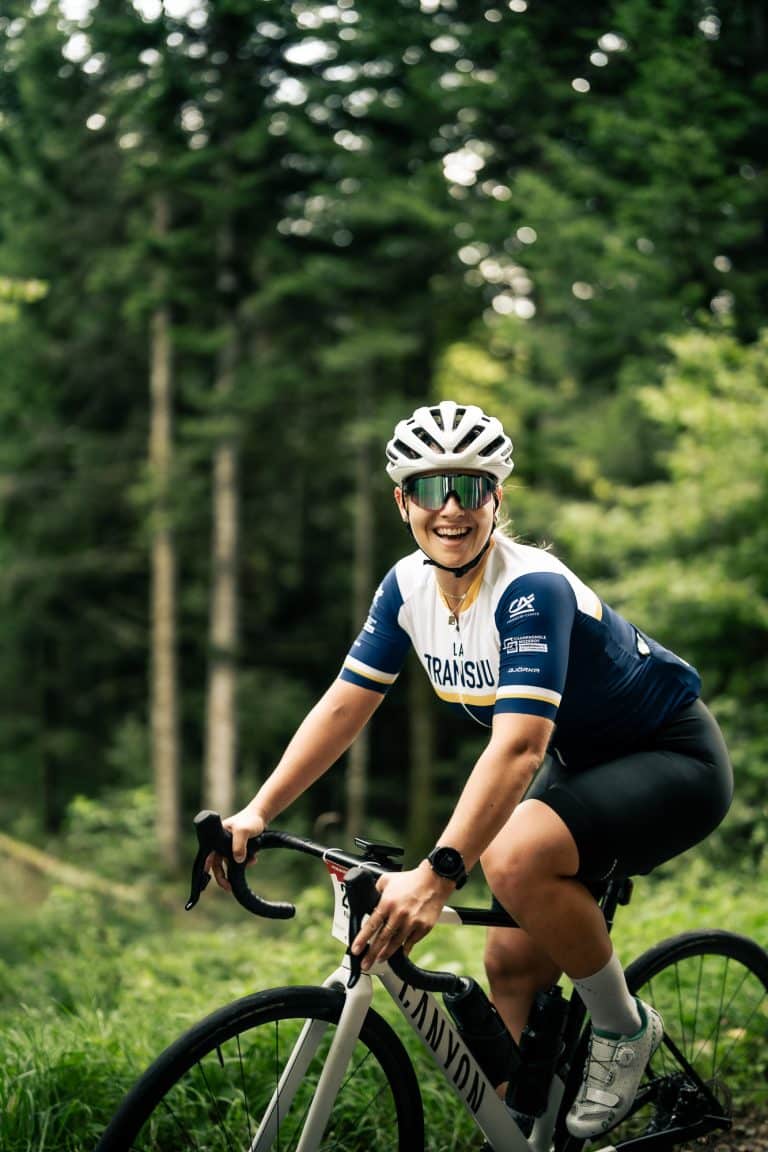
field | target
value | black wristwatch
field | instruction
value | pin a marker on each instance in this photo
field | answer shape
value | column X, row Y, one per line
column 448, row 863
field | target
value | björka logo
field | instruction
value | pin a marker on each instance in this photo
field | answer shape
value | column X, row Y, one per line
column 522, row 606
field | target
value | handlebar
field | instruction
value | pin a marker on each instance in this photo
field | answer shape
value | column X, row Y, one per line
column 363, row 896
column 212, row 836
column 360, row 883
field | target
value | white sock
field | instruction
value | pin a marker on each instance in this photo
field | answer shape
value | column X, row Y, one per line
column 608, row 1000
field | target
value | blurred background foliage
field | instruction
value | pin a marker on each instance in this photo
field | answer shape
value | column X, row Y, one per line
column 557, row 212
column 239, row 239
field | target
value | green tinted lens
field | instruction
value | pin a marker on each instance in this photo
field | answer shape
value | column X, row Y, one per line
column 431, row 492
column 428, row 492
column 473, row 491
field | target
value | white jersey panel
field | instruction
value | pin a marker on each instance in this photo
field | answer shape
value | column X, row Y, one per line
column 531, row 638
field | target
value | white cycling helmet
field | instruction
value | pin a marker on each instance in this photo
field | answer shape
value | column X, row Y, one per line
column 449, row 435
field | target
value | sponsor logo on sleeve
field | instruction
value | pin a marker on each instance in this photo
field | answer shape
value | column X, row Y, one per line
column 370, row 623
column 522, row 606
column 517, row 644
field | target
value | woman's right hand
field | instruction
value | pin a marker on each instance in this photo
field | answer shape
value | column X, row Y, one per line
column 244, row 825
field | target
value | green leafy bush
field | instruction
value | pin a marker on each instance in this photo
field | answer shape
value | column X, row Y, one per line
column 91, row 991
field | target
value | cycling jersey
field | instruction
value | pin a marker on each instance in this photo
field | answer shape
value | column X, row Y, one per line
column 531, row 638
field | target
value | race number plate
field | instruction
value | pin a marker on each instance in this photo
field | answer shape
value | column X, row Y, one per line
column 340, row 929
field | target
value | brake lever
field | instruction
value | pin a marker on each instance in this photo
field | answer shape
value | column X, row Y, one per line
column 362, row 897
column 212, row 836
column 200, row 879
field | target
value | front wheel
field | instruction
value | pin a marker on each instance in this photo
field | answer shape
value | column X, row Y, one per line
column 216, row 1088
column 707, row 1084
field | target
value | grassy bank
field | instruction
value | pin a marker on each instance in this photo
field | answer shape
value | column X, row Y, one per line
column 90, row 991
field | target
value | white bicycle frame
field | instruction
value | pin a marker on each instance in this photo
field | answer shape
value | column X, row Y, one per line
column 429, row 1021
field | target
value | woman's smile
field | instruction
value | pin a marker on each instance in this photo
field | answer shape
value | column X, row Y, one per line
column 453, row 538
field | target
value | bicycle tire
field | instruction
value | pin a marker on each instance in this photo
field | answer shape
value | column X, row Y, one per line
column 208, row 1089
column 711, row 988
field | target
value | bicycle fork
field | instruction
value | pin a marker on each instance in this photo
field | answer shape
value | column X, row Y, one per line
column 357, row 1001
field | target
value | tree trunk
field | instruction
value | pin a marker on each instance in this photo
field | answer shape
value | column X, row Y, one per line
column 359, row 753
column 221, row 718
column 164, row 680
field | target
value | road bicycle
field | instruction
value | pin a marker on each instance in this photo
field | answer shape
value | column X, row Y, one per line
column 318, row 1068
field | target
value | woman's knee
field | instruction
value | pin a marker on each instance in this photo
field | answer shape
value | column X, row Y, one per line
column 534, row 847
column 506, row 872
column 512, row 858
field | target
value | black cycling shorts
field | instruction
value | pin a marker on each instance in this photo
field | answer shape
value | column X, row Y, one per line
column 632, row 813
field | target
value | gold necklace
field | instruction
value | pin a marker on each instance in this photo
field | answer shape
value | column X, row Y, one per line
column 453, row 620
column 452, row 596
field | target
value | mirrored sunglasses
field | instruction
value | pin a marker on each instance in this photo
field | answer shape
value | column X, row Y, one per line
column 431, row 492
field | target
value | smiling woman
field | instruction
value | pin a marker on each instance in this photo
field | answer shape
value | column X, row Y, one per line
column 450, row 461
column 510, row 636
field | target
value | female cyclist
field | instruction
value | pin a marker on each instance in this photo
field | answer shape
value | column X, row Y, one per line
column 601, row 755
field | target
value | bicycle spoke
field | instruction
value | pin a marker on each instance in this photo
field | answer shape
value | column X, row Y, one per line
column 712, row 992
column 217, row 1101
column 244, row 1089
column 181, row 1127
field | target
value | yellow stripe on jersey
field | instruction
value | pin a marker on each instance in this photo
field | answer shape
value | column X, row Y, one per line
column 465, row 698
column 368, row 672
column 528, row 692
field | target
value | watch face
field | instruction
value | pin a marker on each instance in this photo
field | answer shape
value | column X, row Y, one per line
column 447, row 862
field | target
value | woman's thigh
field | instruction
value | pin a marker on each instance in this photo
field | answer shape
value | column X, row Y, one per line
column 636, row 811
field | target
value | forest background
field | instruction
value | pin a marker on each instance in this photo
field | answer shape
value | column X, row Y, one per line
column 238, row 240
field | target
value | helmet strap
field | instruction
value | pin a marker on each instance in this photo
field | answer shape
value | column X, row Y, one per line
column 462, row 571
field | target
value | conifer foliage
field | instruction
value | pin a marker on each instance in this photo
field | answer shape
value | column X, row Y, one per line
column 274, row 227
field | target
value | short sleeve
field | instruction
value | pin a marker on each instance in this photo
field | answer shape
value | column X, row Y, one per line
column 375, row 659
column 535, row 619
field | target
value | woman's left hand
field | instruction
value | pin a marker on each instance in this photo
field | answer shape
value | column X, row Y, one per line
column 409, row 908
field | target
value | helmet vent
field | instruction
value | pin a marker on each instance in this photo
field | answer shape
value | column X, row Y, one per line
column 491, row 448
column 469, row 438
column 405, row 450
column 430, row 441
column 459, row 436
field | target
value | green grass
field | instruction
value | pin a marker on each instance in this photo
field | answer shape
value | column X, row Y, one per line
column 90, row 993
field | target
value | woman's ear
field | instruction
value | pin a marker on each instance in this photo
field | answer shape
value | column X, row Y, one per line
column 400, row 501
